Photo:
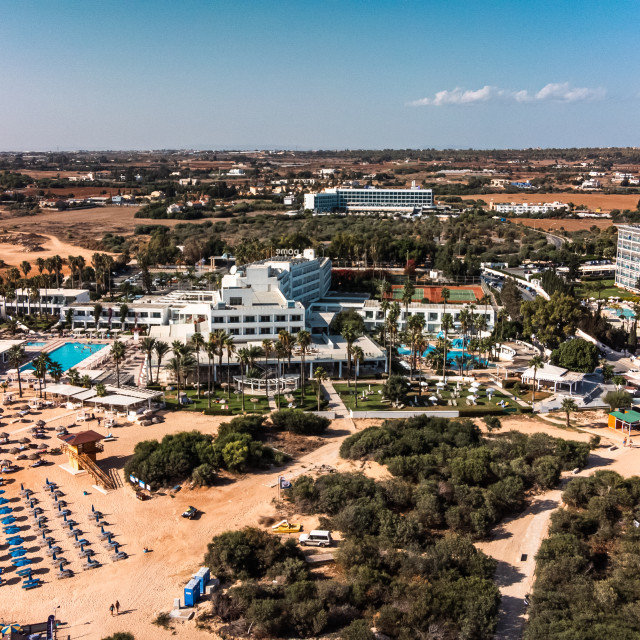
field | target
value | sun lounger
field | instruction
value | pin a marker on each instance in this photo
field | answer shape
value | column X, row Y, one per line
column 31, row 584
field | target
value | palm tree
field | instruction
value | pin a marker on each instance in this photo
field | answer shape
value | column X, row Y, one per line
column 502, row 316
column 210, row 350
column 485, row 300
column 85, row 382
column 34, row 295
column 123, row 312
column 407, row 294
column 415, row 329
column 97, row 312
column 80, row 265
column 245, row 358
column 303, row 340
column 281, row 354
column 71, row 261
column 16, row 356
column 536, row 362
column 358, row 357
column 161, row 348
column 319, row 374
column 267, row 347
column 198, row 343
column 445, row 294
column 220, row 338
column 55, row 370
column 350, row 333
column 465, row 317
column 25, row 267
column 287, row 341
column 447, row 325
column 117, row 353
column 148, row 345
column 74, row 377
column 230, row 348
column 40, row 365
column 569, row 405
column 173, row 365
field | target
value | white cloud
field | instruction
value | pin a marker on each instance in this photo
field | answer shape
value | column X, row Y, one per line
column 554, row 91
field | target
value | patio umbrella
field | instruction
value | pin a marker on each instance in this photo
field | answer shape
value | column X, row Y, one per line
column 433, row 399
column 440, row 384
column 14, row 627
column 471, row 395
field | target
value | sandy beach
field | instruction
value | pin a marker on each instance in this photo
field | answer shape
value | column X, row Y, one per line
column 145, row 584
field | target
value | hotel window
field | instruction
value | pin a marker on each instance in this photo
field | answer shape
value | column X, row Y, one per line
column 249, row 318
column 234, row 302
column 265, row 331
column 233, row 319
column 265, row 318
column 249, row 332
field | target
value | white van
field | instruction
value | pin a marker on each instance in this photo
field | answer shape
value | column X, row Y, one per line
column 315, row 538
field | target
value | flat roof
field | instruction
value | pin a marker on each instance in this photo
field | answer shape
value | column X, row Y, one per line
column 83, row 437
column 630, row 417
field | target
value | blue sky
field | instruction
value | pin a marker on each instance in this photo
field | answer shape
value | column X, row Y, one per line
column 140, row 74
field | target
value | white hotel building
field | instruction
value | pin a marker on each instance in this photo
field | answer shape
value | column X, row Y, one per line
column 628, row 257
column 524, row 208
column 369, row 200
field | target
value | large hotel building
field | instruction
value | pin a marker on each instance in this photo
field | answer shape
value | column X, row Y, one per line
column 369, row 200
column 628, row 257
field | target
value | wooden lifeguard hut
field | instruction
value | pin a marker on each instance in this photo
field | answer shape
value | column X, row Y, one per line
column 82, row 449
column 625, row 421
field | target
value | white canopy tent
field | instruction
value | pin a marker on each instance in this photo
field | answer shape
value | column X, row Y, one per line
column 66, row 390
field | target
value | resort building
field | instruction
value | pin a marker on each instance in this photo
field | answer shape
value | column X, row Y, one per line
column 526, row 208
column 628, row 257
column 51, row 301
column 369, row 200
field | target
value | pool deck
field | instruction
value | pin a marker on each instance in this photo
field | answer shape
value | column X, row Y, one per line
column 90, row 362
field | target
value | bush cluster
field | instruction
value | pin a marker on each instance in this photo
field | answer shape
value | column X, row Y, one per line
column 587, row 579
column 467, row 481
column 297, row 421
column 448, row 587
column 195, row 455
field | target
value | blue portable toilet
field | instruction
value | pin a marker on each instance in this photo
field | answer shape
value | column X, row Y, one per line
column 202, row 576
column 191, row 593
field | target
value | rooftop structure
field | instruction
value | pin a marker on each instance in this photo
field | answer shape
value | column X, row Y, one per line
column 550, row 375
column 369, row 200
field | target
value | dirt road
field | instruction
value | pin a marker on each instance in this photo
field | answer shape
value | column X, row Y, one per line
column 515, row 542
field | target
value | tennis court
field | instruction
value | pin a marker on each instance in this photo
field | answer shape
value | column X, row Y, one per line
column 433, row 294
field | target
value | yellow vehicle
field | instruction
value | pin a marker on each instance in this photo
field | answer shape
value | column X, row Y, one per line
column 286, row 527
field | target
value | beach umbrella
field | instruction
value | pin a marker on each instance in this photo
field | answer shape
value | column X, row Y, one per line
column 33, row 456
column 24, row 440
column 433, row 399
column 14, row 627
column 14, row 451
column 43, row 446
column 15, row 542
column 440, row 384
column 18, row 553
column 471, row 395
column 6, row 463
column 3, row 501
column 4, row 434
column 1, row 491
column 12, row 530
column 41, row 423
column 6, row 510
column 8, row 520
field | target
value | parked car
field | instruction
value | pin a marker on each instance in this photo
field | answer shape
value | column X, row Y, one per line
column 190, row 513
column 315, row 538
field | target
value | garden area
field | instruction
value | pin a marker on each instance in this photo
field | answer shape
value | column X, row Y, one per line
column 219, row 399
column 310, row 399
column 410, row 396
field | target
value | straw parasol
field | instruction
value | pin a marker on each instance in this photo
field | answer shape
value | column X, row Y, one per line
column 34, row 456
column 4, row 434
column 24, row 440
column 41, row 423
column 43, row 446
column 6, row 463
column 14, row 450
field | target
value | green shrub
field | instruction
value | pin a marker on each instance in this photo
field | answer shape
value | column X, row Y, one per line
column 297, row 421
column 120, row 635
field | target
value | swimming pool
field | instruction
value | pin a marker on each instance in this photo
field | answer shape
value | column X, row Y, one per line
column 70, row 354
column 452, row 354
column 36, row 344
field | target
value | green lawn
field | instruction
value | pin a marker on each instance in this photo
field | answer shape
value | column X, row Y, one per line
column 310, row 398
column 374, row 400
column 584, row 290
column 234, row 403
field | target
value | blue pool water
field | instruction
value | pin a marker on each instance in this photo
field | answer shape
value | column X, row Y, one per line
column 626, row 313
column 70, row 354
column 36, row 344
column 452, row 354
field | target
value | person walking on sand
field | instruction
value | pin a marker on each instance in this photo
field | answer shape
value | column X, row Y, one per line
column 111, row 608
column 117, row 608
column 624, row 442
